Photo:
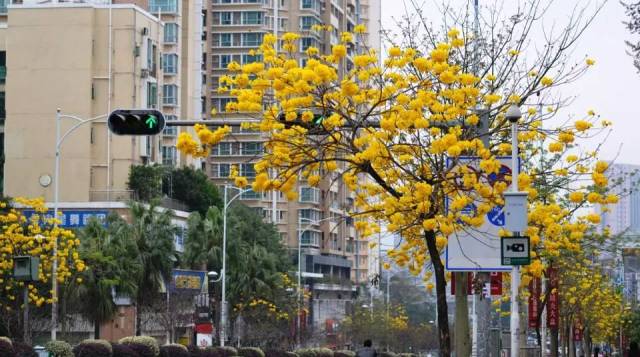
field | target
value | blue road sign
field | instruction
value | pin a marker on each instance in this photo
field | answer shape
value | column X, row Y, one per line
column 496, row 216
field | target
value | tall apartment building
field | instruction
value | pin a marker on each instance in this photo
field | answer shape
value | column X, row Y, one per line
column 331, row 246
column 88, row 58
column 623, row 217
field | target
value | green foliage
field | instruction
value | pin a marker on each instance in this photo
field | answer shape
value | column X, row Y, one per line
column 59, row 348
column 145, row 346
column 306, row 352
column 174, row 350
column 24, row 350
column 110, row 255
column 193, row 188
column 250, row 352
column 93, row 348
column 6, row 347
column 272, row 352
column 387, row 354
column 120, row 350
column 146, row 181
column 226, row 351
column 323, row 352
column 344, row 353
column 633, row 326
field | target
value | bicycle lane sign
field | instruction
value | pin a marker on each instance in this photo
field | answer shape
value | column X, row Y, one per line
column 478, row 249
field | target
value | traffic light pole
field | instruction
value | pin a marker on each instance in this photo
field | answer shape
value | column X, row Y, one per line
column 56, row 199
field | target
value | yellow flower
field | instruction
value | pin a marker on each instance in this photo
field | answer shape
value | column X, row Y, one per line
column 591, row 112
column 576, row 197
column 360, row 29
column 590, row 62
column 514, row 52
column 346, row 37
column 556, row 147
column 339, row 51
column 582, row 125
column 546, row 81
column 395, row 52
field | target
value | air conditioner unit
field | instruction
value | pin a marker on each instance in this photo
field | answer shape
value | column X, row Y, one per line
column 144, row 73
column 145, row 31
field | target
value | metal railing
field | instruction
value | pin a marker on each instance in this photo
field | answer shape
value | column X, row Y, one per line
column 111, row 195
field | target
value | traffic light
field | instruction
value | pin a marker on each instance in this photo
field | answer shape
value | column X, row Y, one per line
column 314, row 126
column 136, row 122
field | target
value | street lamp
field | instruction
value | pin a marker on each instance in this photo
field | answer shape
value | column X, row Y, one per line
column 223, row 277
column 513, row 115
column 56, row 196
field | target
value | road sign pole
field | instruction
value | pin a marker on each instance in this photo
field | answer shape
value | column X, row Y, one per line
column 515, row 270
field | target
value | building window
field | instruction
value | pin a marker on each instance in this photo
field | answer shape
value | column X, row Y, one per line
column 171, row 32
column 168, row 155
column 308, row 216
column 152, row 95
column 251, row 195
column 311, row 238
column 170, row 63
column 170, row 94
column 307, row 42
column 247, row 171
column 307, row 22
column 310, row 5
column 164, row 6
column 170, row 130
column 225, row 40
column 309, row 194
column 252, row 148
column 247, row 58
column 224, row 171
column 252, row 18
column 224, row 61
column 251, row 39
column 220, row 104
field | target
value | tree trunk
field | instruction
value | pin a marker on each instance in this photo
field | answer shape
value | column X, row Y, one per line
column 444, row 337
column 553, row 334
column 96, row 330
column 138, row 317
column 462, row 345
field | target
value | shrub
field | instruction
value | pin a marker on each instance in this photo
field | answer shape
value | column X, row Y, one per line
column 225, row 351
column 290, row 354
column 24, row 350
column 274, row 352
column 93, row 348
column 306, row 352
column 174, row 350
column 6, row 347
column 250, row 352
column 406, row 355
column 59, row 349
column 387, row 354
column 195, row 351
column 344, row 353
column 323, row 352
column 145, row 346
column 120, row 350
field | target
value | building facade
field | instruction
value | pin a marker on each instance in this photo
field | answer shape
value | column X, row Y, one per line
column 623, row 217
column 318, row 220
column 89, row 58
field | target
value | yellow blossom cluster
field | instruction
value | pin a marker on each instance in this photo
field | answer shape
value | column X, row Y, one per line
column 36, row 236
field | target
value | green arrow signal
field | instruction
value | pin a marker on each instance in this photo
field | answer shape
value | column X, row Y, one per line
column 151, row 121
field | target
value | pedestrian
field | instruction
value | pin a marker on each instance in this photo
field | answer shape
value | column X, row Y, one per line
column 634, row 351
column 367, row 350
column 596, row 352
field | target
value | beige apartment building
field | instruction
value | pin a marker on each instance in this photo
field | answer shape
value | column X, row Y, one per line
column 334, row 256
column 89, row 58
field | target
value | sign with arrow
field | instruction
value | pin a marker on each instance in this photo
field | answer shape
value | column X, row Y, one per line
column 136, row 122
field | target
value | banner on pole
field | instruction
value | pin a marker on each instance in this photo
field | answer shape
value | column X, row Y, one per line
column 553, row 308
column 535, row 288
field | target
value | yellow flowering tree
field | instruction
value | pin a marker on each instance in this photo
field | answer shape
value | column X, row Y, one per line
column 34, row 236
column 394, row 133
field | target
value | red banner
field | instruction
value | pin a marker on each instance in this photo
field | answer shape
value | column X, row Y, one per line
column 577, row 330
column 535, row 288
column 496, row 283
column 553, row 305
column 469, row 283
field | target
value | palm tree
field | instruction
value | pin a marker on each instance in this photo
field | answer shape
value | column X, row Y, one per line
column 153, row 233
column 110, row 257
column 203, row 243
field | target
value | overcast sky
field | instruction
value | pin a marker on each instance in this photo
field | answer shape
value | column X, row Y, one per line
column 611, row 87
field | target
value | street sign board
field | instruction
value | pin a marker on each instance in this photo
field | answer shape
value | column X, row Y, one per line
column 515, row 251
column 478, row 249
column 136, row 122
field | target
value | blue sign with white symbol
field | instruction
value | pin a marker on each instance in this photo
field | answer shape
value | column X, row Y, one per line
column 72, row 219
column 496, row 216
